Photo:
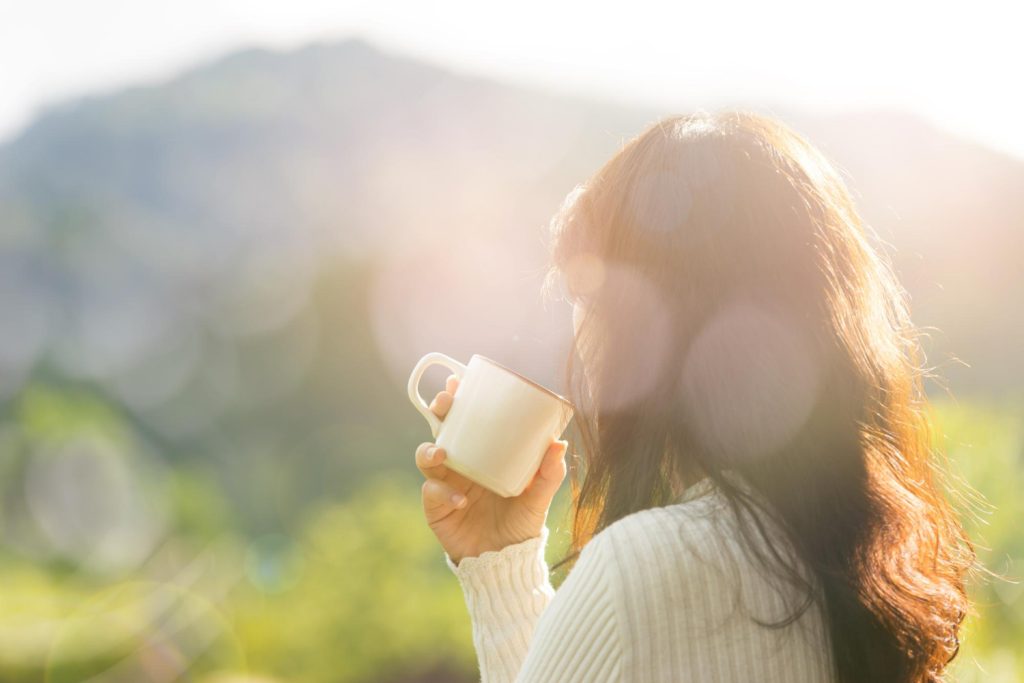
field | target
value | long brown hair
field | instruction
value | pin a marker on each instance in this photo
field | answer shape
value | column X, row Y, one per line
column 738, row 318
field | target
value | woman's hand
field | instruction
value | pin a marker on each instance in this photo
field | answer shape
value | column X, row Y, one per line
column 469, row 519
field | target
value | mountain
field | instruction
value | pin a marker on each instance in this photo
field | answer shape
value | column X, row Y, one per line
column 249, row 257
column 253, row 168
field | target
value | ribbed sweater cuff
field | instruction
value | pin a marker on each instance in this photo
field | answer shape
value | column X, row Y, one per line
column 506, row 591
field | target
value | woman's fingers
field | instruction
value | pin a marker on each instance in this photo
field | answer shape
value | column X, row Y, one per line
column 429, row 459
column 441, row 497
column 442, row 402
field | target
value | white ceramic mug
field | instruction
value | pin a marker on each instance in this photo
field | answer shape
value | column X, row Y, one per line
column 499, row 425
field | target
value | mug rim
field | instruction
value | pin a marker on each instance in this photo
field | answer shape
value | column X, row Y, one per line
column 526, row 379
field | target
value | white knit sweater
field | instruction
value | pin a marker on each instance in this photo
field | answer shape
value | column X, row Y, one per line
column 664, row 595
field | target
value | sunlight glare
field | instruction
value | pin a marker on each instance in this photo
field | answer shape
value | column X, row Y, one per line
column 460, row 298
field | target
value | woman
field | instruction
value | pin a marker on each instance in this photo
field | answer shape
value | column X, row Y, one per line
column 757, row 500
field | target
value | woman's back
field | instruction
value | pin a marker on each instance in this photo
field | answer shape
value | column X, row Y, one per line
column 666, row 594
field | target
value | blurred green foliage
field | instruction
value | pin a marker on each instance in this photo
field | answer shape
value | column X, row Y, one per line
column 357, row 590
column 984, row 442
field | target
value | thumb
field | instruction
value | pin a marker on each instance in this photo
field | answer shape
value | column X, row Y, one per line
column 548, row 478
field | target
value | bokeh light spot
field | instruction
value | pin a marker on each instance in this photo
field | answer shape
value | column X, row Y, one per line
column 95, row 503
column 749, row 382
column 641, row 322
column 584, row 274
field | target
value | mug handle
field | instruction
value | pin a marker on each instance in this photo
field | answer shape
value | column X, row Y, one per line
column 414, row 385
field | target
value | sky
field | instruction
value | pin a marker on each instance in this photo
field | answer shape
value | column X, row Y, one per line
column 956, row 66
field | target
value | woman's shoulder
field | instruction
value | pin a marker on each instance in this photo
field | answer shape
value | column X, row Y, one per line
column 684, row 576
column 685, row 525
column 695, row 552
column 698, row 538
column 700, row 512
